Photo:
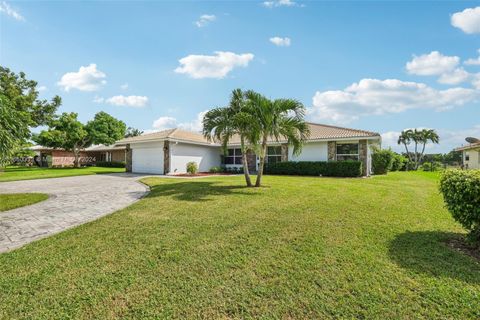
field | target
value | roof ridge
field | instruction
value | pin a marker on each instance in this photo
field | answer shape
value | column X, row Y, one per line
column 338, row 127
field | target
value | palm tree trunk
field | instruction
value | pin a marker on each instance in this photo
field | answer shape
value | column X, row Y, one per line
column 258, row 182
column 422, row 154
column 416, row 155
column 76, row 160
column 408, row 154
column 245, row 163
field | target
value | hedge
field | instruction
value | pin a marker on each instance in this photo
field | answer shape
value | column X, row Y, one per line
column 461, row 192
column 110, row 164
column 316, row 168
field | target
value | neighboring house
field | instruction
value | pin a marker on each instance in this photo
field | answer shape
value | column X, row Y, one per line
column 470, row 155
column 50, row 157
column 169, row 151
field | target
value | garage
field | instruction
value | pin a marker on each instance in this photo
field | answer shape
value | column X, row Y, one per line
column 147, row 159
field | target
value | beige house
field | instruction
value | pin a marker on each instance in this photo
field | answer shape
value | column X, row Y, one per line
column 470, row 155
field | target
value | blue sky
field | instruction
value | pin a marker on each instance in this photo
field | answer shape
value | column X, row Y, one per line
column 380, row 66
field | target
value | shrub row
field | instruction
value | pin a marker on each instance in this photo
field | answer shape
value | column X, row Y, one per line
column 110, row 164
column 461, row 192
column 316, row 168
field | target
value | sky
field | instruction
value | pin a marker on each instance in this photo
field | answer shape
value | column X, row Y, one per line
column 381, row 66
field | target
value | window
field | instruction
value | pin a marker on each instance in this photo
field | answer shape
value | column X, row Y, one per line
column 347, row 151
column 274, row 154
column 467, row 156
column 234, row 156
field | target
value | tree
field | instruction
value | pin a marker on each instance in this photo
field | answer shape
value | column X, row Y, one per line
column 132, row 132
column 68, row 133
column 418, row 137
column 20, row 110
column 424, row 136
column 280, row 119
column 222, row 124
column 405, row 138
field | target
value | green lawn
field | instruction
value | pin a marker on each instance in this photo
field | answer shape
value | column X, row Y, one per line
column 300, row 247
column 27, row 173
column 16, row 200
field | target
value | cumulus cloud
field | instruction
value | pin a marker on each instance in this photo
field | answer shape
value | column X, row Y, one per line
column 279, row 3
column 42, row 88
column 164, row 123
column 432, row 64
column 86, row 79
column 205, row 19
column 376, row 97
column 468, row 20
column 280, row 42
column 474, row 62
column 457, row 76
column 128, row 101
column 216, row 66
column 9, row 11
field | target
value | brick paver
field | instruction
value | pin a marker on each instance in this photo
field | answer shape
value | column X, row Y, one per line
column 73, row 201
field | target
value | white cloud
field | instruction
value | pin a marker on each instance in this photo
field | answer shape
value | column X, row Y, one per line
column 376, row 97
column 124, row 86
column 281, row 42
column 457, row 76
column 164, row 123
column 279, row 3
column 216, row 66
column 432, row 64
column 86, row 79
column 474, row 62
column 98, row 99
column 9, row 11
column 468, row 20
column 42, row 88
column 128, row 101
column 476, row 81
column 205, row 19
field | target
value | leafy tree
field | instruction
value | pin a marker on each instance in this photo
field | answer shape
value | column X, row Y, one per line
column 418, row 137
column 280, row 119
column 382, row 160
column 132, row 132
column 222, row 124
column 20, row 110
column 425, row 136
column 68, row 133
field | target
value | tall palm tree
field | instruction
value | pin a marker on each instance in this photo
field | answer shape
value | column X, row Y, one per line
column 418, row 137
column 425, row 136
column 280, row 119
column 221, row 124
column 405, row 138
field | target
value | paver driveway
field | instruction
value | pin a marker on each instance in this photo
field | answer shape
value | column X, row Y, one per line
column 72, row 201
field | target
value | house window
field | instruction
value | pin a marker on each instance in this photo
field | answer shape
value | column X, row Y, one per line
column 274, row 154
column 234, row 156
column 467, row 156
column 347, row 151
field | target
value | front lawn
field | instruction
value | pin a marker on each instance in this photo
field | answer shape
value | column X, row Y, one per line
column 301, row 247
column 27, row 173
column 16, row 200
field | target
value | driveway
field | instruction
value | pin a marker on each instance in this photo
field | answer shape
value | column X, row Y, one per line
column 73, row 201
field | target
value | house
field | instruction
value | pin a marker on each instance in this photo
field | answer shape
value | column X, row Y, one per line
column 50, row 157
column 470, row 155
column 169, row 151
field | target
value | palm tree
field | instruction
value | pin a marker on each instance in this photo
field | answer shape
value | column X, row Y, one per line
column 405, row 138
column 425, row 136
column 280, row 119
column 221, row 124
column 422, row 136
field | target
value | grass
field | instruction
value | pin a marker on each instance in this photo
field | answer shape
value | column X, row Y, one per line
column 16, row 200
column 28, row 173
column 300, row 247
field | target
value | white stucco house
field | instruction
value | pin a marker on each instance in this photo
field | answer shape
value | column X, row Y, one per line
column 169, row 151
column 470, row 155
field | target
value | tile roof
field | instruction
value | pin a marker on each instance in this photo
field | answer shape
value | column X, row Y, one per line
column 469, row 147
column 317, row 132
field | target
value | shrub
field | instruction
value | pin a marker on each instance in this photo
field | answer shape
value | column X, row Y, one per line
column 431, row 166
column 192, row 167
column 316, row 168
column 111, row 164
column 461, row 192
column 381, row 160
column 234, row 170
column 216, row 169
column 399, row 162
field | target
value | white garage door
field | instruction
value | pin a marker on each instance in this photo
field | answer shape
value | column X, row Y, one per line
column 147, row 160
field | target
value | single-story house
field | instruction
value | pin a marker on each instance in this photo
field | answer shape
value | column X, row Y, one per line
column 169, row 151
column 470, row 155
column 48, row 157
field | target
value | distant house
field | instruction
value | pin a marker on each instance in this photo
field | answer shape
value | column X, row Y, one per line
column 168, row 151
column 470, row 155
column 48, row 157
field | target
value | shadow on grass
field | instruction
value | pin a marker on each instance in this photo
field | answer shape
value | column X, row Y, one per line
column 196, row 190
column 427, row 253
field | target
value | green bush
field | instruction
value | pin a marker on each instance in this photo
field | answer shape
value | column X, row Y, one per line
column 111, row 164
column 192, row 167
column 399, row 162
column 461, row 192
column 431, row 166
column 216, row 169
column 316, row 168
column 381, row 160
column 234, row 170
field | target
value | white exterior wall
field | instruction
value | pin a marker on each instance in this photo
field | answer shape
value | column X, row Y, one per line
column 147, row 157
column 182, row 153
column 474, row 159
column 311, row 151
